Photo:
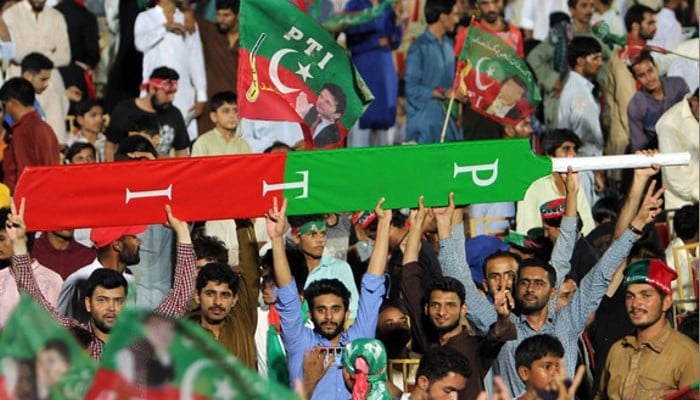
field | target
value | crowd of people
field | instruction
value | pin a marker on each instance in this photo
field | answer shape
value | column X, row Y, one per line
column 590, row 279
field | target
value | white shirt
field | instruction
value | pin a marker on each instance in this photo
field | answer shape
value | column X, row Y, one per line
column 668, row 30
column 535, row 15
column 613, row 19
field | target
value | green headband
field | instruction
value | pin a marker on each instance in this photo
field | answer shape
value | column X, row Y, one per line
column 311, row 226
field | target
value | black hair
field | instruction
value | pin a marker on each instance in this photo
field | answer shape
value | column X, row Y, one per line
column 643, row 56
column 645, row 249
column 132, row 144
column 276, row 145
column 581, row 46
column 685, row 221
column 35, row 63
column 558, row 17
column 84, row 106
column 76, row 148
column 210, row 248
column 537, row 347
column 327, row 286
column 5, row 212
column 219, row 273
column 299, row 220
column 553, row 139
column 518, row 81
column 221, row 98
column 606, row 207
column 18, row 89
column 337, row 92
column 107, row 278
column 534, row 262
column 499, row 254
column 689, row 326
column 556, row 222
column 434, row 8
column 60, row 347
column 635, row 14
column 571, row 3
column 165, row 73
column 449, row 284
column 147, row 123
column 233, row 5
column 437, row 364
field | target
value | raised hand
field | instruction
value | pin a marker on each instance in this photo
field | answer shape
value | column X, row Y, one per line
column 275, row 219
column 417, row 216
column 647, row 172
column 15, row 227
column 503, row 302
column 182, row 231
column 571, row 181
column 650, row 208
column 382, row 214
column 443, row 217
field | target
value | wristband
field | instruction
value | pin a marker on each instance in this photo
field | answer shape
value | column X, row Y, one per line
column 635, row 230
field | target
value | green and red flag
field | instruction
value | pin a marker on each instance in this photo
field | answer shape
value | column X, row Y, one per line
column 342, row 21
column 291, row 69
column 40, row 359
column 154, row 357
column 497, row 82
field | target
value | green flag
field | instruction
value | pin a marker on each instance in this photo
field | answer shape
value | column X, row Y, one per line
column 291, row 69
column 39, row 358
column 498, row 83
column 340, row 22
column 154, row 357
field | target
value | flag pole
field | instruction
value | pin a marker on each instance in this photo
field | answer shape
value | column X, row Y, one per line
column 447, row 116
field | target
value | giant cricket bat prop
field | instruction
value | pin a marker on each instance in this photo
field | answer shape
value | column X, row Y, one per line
column 243, row 186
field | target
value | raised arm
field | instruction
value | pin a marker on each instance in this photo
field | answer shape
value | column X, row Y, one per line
column 634, row 197
column 568, row 232
column 377, row 262
column 179, row 297
column 248, row 266
column 276, row 222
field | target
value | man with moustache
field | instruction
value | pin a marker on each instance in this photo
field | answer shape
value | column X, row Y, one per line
column 632, row 369
column 220, row 46
column 158, row 100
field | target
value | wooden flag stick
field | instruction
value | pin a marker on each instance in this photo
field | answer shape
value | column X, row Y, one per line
column 447, row 117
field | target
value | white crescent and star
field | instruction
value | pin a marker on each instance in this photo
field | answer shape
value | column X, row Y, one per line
column 479, row 84
column 273, row 71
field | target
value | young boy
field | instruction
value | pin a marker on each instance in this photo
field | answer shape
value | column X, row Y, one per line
column 89, row 117
column 146, row 126
column 222, row 139
column 538, row 359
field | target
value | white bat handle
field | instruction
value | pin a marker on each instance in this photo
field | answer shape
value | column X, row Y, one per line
column 560, row 164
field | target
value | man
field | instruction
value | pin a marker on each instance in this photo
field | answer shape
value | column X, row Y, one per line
column 430, row 68
column 160, row 35
column 117, row 248
column 35, row 68
column 33, row 141
column 37, row 28
column 328, row 305
column 269, row 349
column 604, row 12
column 490, row 19
column 106, row 289
column 49, row 281
column 656, row 359
column 640, row 22
column 669, row 35
column 441, row 374
column 535, row 288
column 158, row 100
column 557, row 143
column 60, row 251
column 220, row 47
column 309, row 234
column 656, row 96
column 323, row 116
column 222, row 139
column 228, row 300
column 679, row 124
column 506, row 103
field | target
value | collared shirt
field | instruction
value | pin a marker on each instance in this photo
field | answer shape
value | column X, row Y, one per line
column 649, row 370
column 644, row 111
column 680, row 129
column 298, row 338
column 580, row 112
column 99, row 143
column 335, row 268
column 566, row 324
column 535, row 15
column 49, row 283
column 174, row 305
column 213, row 143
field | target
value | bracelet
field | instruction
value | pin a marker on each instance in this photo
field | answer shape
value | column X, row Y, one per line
column 635, row 230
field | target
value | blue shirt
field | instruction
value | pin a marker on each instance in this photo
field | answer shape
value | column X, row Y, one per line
column 430, row 64
column 566, row 324
column 297, row 338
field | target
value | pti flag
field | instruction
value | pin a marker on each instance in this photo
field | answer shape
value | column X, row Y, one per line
column 40, row 359
column 155, row 357
column 498, row 82
column 340, row 22
column 291, row 69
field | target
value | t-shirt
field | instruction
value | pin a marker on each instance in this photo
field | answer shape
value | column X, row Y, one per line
column 173, row 132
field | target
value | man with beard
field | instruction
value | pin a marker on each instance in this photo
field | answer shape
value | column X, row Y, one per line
column 106, row 289
column 328, row 301
column 536, row 284
column 220, row 46
column 438, row 319
column 228, row 300
column 158, row 100
column 117, row 248
column 490, row 19
column 656, row 359
column 49, row 281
